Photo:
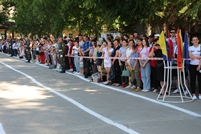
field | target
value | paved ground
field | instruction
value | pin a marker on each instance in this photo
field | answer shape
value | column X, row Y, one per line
column 36, row 100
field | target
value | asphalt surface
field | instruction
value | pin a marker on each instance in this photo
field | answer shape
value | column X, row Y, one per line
column 37, row 100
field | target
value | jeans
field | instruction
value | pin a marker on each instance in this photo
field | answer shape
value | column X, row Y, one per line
column 76, row 63
column 14, row 52
column 146, row 74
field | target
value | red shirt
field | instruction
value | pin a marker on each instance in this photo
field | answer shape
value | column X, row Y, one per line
column 152, row 62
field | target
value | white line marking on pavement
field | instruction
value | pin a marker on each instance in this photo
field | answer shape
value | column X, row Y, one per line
column 1, row 129
column 142, row 97
column 111, row 122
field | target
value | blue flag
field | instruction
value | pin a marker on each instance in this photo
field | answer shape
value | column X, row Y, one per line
column 187, row 62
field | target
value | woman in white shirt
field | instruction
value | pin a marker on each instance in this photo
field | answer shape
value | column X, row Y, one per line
column 107, row 52
column 195, row 54
column 75, row 53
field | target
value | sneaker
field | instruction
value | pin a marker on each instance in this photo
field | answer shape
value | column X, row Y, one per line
column 137, row 89
column 105, row 82
column 122, row 85
column 128, row 86
column 145, row 90
column 133, row 87
column 175, row 91
column 194, row 97
column 200, row 97
column 155, row 90
column 186, row 92
column 71, row 70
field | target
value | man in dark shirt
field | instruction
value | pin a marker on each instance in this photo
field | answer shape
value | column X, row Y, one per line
column 85, row 51
column 115, row 63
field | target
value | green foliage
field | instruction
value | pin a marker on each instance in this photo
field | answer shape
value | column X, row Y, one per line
column 43, row 17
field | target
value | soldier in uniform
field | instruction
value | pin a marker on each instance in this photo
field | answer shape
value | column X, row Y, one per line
column 27, row 50
column 62, row 53
column 10, row 47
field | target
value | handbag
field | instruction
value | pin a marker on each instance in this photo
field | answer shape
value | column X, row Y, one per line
column 160, row 64
column 125, row 72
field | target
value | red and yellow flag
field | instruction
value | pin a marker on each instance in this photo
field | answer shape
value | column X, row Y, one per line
column 180, row 50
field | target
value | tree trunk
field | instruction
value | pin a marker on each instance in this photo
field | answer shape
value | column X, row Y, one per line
column 5, row 33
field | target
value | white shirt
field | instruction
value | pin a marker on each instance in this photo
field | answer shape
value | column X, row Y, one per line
column 13, row 45
column 75, row 50
column 106, row 54
column 81, row 43
column 129, row 51
column 195, row 52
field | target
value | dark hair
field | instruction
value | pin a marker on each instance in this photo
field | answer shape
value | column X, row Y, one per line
column 110, row 36
column 104, row 41
column 134, row 46
column 140, row 39
column 95, row 43
column 132, row 41
column 172, row 29
column 126, row 35
column 155, row 40
column 147, row 43
column 99, row 45
column 116, row 40
column 76, row 41
column 86, row 35
column 125, row 40
column 65, row 41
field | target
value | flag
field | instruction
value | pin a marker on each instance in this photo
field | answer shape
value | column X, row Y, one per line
column 179, row 53
column 162, row 44
column 170, row 46
column 187, row 62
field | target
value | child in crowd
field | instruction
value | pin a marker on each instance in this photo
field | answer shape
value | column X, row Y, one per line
column 135, row 69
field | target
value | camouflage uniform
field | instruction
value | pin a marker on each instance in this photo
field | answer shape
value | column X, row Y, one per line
column 62, row 53
column 27, row 50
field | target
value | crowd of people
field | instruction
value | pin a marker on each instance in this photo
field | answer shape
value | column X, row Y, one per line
column 113, row 58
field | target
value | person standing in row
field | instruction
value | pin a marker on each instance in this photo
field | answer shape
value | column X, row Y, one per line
column 75, row 53
column 135, row 67
column 122, row 59
column 62, row 54
column 129, row 51
column 85, row 52
column 145, row 66
column 115, row 63
column 195, row 55
column 27, row 50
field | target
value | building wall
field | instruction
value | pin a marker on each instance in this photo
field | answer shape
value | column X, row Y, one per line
column 70, row 34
